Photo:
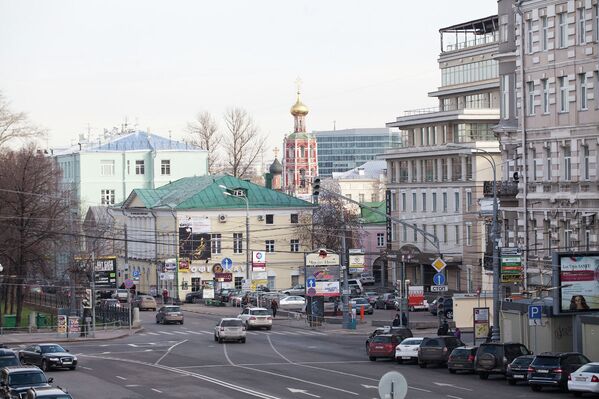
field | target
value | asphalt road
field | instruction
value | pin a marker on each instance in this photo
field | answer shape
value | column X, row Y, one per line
column 183, row 361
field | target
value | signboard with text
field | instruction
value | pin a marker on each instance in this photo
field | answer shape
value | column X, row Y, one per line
column 104, row 271
column 481, row 322
column 258, row 260
column 578, row 276
column 511, row 265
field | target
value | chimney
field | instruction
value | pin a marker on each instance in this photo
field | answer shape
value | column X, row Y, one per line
column 361, row 171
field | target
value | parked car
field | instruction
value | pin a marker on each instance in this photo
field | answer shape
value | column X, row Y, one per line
column 236, row 298
column 585, row 379
column 48, row 356
column 16, row 380
column 121, row 294
column 223, row 294
column 359, row 303
column 517, row 370
column 407, row 349
column 169, row 314
column 385, row 301
column 382, row 345
column 256, row 318
column 437, row 350
column 462, row 359
column 8, row 358
column 494, row 357
column 111, row 303
column 401, row 332
column 371, row 296
column 292, row 302
column 356, row 284
column 298, row 289
column 194, row 297
column 145, row 302
column 229, row 329
column 367, row 279
column 553, row 369
column 47, row 393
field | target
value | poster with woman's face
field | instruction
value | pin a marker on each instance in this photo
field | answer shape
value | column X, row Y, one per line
column 579, row 278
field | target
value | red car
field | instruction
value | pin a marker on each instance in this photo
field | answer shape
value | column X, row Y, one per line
column 382, row 346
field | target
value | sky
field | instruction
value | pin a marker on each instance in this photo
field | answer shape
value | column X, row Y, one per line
column 79, row 66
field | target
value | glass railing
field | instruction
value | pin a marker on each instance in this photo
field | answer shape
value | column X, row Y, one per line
column 477, row 41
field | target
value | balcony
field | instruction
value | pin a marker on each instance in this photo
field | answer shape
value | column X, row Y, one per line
column 505, row 189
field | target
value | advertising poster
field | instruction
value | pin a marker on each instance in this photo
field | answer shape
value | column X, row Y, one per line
column 327, row 288
column 62, row 324
column 74, row 325
column 258, row 260
column 481, row 322
column 194, row 246
column 579, row 279
column 183, row 266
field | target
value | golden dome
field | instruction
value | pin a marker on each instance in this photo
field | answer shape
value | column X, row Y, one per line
column 299, row 108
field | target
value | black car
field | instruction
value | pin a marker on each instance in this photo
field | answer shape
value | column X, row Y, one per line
column 16, row 380
column 517, row 370
column 401, row 333
column 462, row 358
column 552, row 369
column 493, row 357
column 193, row 297
column 437, row 350
column 8, row 358
column 47, row 356
column 385, row 301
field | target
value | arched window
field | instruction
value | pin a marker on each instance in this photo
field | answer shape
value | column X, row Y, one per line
column 302, row 177
column 302, row 151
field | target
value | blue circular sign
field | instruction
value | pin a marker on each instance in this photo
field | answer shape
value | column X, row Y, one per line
column 136, row 273
column 439, row 279
column 226, row 263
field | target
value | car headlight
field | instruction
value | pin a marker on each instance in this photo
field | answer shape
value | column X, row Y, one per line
column 53, row 359
column 74, row 358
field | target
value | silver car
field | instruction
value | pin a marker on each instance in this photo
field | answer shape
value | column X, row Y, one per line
column 256, row 318
column 292, row 303
column 229, row 329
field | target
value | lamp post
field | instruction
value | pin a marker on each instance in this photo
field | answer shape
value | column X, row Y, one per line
column 248, row 259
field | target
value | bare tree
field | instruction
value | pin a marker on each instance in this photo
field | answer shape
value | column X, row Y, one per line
column 15, row 125
column 203, row 132
column 242, row 142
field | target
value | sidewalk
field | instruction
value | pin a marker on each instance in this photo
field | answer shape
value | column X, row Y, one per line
column 37, row 337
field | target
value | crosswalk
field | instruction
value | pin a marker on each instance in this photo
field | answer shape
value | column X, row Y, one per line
column 174, row 333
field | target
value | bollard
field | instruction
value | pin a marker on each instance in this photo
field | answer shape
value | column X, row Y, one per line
column 362, row 313
column 136, row 320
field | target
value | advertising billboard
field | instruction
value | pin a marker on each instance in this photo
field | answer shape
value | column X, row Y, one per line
column 192, row 245
column 578, row 277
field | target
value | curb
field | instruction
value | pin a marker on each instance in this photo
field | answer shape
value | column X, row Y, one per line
column 72, row 340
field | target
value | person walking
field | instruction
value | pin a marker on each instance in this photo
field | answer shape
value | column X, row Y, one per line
column 274, row 306
column 457, row 333
column 443, row 329
column 164, row 296
column 397, row 320
column 336, row 306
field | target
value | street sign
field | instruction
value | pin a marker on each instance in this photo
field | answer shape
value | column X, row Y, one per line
column 128, row 283
column 393, row 385
column 311, row 291
column 226, row 263
column 439, row 279
column 438, row 288
column 535, row 315
column 439, row 264
column 311, row 282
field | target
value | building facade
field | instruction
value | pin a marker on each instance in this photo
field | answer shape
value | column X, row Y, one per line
column 365, row 183
column 345, row 149
column 436, row 178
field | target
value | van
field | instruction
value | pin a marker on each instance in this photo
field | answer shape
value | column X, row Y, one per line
column 355, row 282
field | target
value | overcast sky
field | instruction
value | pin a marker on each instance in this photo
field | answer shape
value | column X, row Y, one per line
column 70, row 64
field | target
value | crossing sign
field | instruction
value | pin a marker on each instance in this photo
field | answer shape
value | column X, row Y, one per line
column 439, row 264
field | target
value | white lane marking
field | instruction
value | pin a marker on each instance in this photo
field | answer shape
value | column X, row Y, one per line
column 278, row 333
column 85, row 368
column 131, row 385
column 156, row 390
column 302, row 391
column 444, row 384
column 306, row 333
column 166, row 332
column 369, row 386
column 133, row 345
column 206, row 332
column 181, row 332
column 194, row 332
column 152, row 333
column 283, row 375
column 169, row 351
column 105, row 353
column 121, row 378
column 421, row 389
column 453, row 397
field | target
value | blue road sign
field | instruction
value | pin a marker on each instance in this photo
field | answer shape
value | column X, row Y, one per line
column 439, row 279
column 311, row 282
column 535, row 312
column 226, row 263
column 135, row 273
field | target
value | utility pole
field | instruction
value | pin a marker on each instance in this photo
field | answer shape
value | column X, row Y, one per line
column 344, row 266
column 93, row 298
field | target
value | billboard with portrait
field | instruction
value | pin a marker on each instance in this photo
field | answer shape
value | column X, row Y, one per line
column 577, row 275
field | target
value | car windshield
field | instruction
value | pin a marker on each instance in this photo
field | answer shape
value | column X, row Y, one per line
column 8, row 361
column 589, row 368
column 28, row 378
column 231, row 323
column 546, row 361
column 260, row 312
column 411, row 342
column 384, row 339
column 522, row 361
column 172, row 309
column 52, row 349
column 460, row 353
column 360, row 301
column 431, row 342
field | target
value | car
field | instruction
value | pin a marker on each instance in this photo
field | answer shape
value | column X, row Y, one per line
column 229, row 329
column 382, row 345
column 359, row 303
column 254, row 317
column 223, row 294
column 407, row 349
column 446, row 307
column 145, row 302
column 8, row 358
column 110, row 303
column 385, row 301
column 298, row 289
column 121, row 294
column 494, row 357
column 355, row 285
column 552, row 369
column 16, row 380
column 169, row 314
column 292, row 302
column 401, row 332
column 236, row 298
column 517, row 370
column 437, row 350
column 367, row 279
column 371, row 296
column 585, row 379
column 462, row 358
column 194, row 297
column 47, row 393
column 433, row 306
column 48, row 356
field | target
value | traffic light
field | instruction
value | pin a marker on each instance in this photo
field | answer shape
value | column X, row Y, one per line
column 316, row 187
column 87, row 299
column 98, row 297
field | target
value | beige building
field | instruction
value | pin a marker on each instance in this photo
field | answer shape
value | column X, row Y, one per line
column 365, row 183
column 437, row 177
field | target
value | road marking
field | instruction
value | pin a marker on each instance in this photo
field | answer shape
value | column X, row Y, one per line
column 444, row 384
column 85, row 368
column 133, row 345
column 166, row 332
column 156, row 390
column 152, row 333
column 303, row 391
column 453, row 397
column 195, row 332
column 131, row 385
column 105, row 353
column 169, row 351
column 207, row 332
column 122, row 378
column 277, row 332
column 369, row 386
column 181, row 332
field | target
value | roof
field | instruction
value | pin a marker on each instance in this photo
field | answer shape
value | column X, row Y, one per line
column 478, row 26
column 369, row 170
column 204, row 192
column 370, row 217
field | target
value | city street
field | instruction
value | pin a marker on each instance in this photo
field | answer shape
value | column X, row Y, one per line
column 184, row 361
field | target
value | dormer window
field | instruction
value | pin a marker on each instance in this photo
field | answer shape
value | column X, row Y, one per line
column 239, row 193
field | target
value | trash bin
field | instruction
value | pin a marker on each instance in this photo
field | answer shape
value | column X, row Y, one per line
column 41, row 321
column 9, row 321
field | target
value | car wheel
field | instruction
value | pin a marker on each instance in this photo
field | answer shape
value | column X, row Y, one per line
column 422, row 365
column 452, row 371
column 247, row 326
column 386, row 307
column 399, row 361
column 372, row 358
column 269, row 328
column 511, row 381
column 483, row 376
column 243, row 340
column 44, row 365
column 563, row 387
column 181, row 322
column 157, row 321
column 220, row 340
column 536, row 388
column 72, row 367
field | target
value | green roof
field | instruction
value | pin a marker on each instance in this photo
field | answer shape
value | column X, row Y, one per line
column 370, row 217
column 204, row 192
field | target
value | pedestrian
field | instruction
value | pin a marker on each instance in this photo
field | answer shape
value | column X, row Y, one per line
column 443, row 328
column 490, row 335
column 164, row 296
column 274, row 306
column 457, row 333
column 397, row 321
column 404, row 319
column 336, row 306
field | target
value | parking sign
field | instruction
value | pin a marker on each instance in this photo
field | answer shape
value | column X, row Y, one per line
column 535, row 315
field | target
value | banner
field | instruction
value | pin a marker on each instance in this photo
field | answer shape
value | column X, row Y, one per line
column 258, row 260
column 579, row 279
column 62, row 324
column 481, row 322
column 183, row 265
column 194, row 246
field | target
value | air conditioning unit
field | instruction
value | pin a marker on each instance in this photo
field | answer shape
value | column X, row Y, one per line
column 260, row 218
column 222, row 218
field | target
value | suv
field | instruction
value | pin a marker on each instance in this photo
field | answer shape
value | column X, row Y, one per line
column 47, row 393
column 16, row 380
column 8, row 358
column 229, row 329
column 518, row 369
column 552, row 369
column 437, row 349
column 145, row 302
column 256, row 318
column 461, row 358
column 121, row 294
column 382, row 345
column 385, row 301
column 366, row 279
column 493, row 357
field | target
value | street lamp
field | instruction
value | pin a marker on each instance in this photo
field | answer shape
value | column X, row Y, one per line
column 247, row 226
column 496, row 333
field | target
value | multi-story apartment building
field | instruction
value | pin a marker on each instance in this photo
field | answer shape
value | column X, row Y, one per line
column 345, row 149
column 436, row 178
column 549, row 128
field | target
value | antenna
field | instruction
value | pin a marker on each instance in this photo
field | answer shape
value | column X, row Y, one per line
column 334, row 125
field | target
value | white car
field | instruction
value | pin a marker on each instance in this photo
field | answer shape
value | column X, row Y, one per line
column 366, row 279
column 585, row 379
column 229, row 329
column 407, row 349
column 292, row 303
column 256, row 318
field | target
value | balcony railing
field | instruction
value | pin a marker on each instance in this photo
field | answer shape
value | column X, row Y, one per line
column 504, row 189
column 448, row 107
column 477, row 41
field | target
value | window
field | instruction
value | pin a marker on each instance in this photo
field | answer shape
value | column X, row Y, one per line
column 107, row 197
column 567, row 235
column 361, row 197
column 405, row 233
column 294, row 218
column 530, row 86
column 107, row 168
column 544, row 33
column 585, row 163
column 434, row 202
column 270, row 219
column 215, row 243
column 505, row 97
column 444, row 202
column 529, row 36
column 238, row 283
column 468, row 234
column 533, row 163
column 423, row 202
column 445, row 234
column 582, row 27
column 380, row 239
column 165, row 167
column 444, row 169
column 596, row 22
column 128, row 167
column 457, row 200
column 545, row 96
column 567, row 163
column 140, row 167
column 563, row 93
column 435, row 231
column 270, row 281
column 582, row 81
column 469, row 199
column 415, row 232
column 294, row 245
column 393, row 202
column 587, row 240
column 548, row 160
column 561, row 30
column 469, row 168
column 237, row 243
column 404, row 202
column 270, row 245
column 457, row 234
column 414, row 209
column 374, row 197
